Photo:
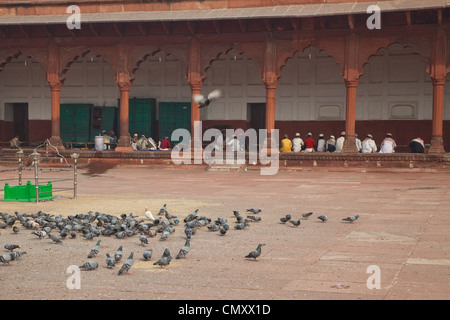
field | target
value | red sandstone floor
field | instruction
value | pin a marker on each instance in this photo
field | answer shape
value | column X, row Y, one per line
column 404, row 229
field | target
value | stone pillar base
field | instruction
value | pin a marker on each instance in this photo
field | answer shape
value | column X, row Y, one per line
column 437, row 146
column 123, row 144
column 349, row 146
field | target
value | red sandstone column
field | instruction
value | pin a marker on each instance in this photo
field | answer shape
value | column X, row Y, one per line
column 438, row 76
column 437, row 141
column 124, row 145
column 270, row 105
column 350, row 119
column 55, row 139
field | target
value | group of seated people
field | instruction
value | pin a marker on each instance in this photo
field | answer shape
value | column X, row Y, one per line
column 368, row 145
column 148, row 144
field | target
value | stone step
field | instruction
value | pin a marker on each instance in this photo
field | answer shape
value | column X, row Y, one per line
column 226, row 168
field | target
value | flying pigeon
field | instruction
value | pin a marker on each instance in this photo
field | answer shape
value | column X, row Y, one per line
column 184, row 250
column 295, row 223
column 11, row 247
column 323, row 218
column 110, row 262
column 148, row 214
column 255, row 253
column 254, row 210
column 118, row 254
column 286, row 218
column 306, row 215
column 127, row 264
column 94, row 250
column 90, row 265
column 351, row 218
column 147, row 254
column 204, row 102
column 143, row 239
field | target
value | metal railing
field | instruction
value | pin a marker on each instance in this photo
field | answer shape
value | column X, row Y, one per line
column 42, row 173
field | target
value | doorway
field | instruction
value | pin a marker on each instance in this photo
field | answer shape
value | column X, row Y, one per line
column 20, row 121
column 257, row 115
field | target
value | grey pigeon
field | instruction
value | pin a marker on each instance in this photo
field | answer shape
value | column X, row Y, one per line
column 164, row 261
column 147, row 254
column 223, row 231
column 94, row 250
column 236, row 213
column 351, row 218
column 162, row 210
column 184, row 250
column 55, row 239
column 169, row 216
column 286, row 218
column 306, row 215
column 166, row 253
column 254, row 210
column 255, row 253
column 11, row 247
column 40, row 233
column 16, row 229
column 118, row 254
column 241, row 226
column 323, row 218
column 165, row 234
column 254, row 218
column 191, row 216
column 5, row 258
column 214, row 227
column 16, row 255
column 143, row 239
column 73, row 234
column 189, row 232
column 127, row 264
column 110, row 262
column 295, row 223
column 90, row 265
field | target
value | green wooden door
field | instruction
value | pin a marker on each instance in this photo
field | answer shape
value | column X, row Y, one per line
column 173, row 115
column 142, row 116
column 103, row 118
column 75, row 122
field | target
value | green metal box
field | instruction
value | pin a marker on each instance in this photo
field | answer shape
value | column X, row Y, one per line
column 27, row 193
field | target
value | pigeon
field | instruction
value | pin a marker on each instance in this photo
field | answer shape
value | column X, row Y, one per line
column 55, row 239
column 11, row 247
column 166, row 253
column 184, row 250
column 241, row 226
column 306, row 215
column 5, row 258
column 94, row 250
column 236, row 213
column 143, row 239
column 191, row 216
column 295, row 223
column 205, row 101
column 16, row 255
column 254, row 210
column 73, row 234
column 147, row 254
column 127, row 265
column 169, row 216
column 164, row 261
column 254, row 218
column 88, row 236
column 118, row 254
column 223, row 231
column 110, row 262
column 189, row 232
column 165, row 234
column 351, row 218
column 90, row 265
column 255, row 253
column 16, row 229
column 148, row 214
column 286, row 218
column 162, row 210
column 323, row 218
column 214, row 227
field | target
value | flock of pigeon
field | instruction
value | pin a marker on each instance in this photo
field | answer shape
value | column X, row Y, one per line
column 91, row 225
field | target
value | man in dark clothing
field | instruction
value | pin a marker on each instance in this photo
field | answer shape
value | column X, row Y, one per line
column 417, row 146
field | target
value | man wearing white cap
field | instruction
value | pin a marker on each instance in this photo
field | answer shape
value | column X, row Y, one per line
column 297, row 143
column 368, row 145
column 340, row 142
column 310, row 144
column 331, row 144
column 388, row 145
column 321, row 143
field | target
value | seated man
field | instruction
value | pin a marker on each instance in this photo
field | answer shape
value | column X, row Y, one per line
column 142, row 143
column 417, row 145
column 164, row 144
column 14, row 143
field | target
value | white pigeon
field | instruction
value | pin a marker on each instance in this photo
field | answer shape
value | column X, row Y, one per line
column 148, row 214
column 205, row 101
